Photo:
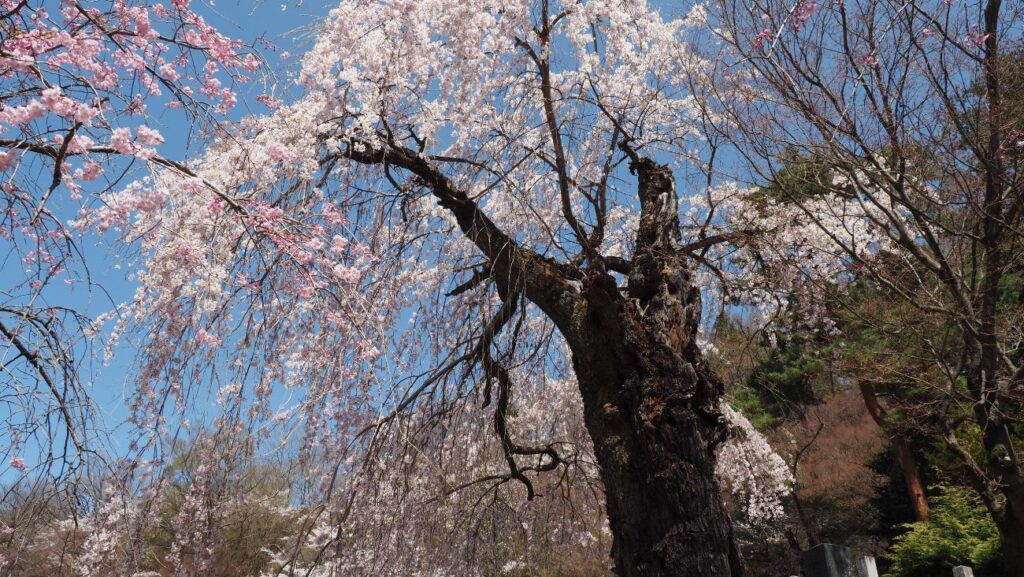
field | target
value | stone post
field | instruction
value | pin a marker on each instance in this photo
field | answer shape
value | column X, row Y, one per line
column 866, row 567
column 828, row 560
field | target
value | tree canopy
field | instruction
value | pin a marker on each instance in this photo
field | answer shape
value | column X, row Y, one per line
column 480, row 272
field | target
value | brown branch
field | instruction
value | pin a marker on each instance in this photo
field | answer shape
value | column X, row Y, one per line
column 542, row 280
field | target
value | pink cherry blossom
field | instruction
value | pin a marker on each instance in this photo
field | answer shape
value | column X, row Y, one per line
column 7, row 159
column 149, row 136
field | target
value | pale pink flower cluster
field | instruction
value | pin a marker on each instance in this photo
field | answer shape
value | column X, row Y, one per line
column 405, row 500
column 79, row 79
column 802, row 12
column 70, row 80
column 753, row 471
column 795, row 249
column 18, row 464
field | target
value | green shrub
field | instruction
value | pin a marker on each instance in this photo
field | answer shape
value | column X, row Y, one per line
column 961, row 532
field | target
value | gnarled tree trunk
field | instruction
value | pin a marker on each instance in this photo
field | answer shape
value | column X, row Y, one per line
column 651, row 402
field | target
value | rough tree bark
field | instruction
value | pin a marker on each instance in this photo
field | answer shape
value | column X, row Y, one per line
column 1011, row 530
column 650, row 400
column 1002, row 485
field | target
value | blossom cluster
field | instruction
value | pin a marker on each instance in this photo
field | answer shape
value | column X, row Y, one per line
column 749, row 467
column 85, row 88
